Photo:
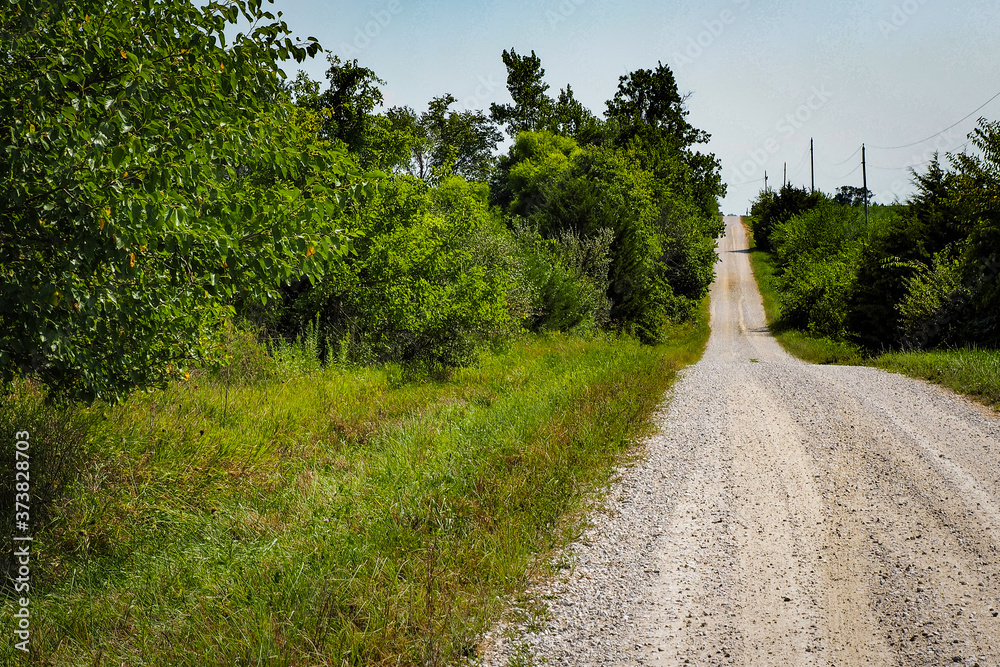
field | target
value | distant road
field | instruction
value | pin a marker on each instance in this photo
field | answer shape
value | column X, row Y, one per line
column 790, row 514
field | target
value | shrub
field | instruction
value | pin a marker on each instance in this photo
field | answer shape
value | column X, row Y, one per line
column 772, row 209
column 567, row 279
column 815, row 295
column 819, row 252
column 427, row 285
column 935, row 301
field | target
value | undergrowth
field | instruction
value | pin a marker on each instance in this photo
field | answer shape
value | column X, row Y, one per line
column 337, row 516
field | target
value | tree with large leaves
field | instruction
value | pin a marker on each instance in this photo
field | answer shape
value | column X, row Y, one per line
column 128, row 221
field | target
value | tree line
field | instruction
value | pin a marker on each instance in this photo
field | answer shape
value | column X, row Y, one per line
column 162, row 180
column 915, row 275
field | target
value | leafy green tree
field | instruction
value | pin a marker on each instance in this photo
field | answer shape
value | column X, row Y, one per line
column 850, row 195
column 648, row 116
column 536, row 160
column 351, row 98
column 977, row 198
column 571, row 119
column 891, row 251
column 648, row 102
column 127, row 221
column 660, row 258
column 462, row 141
column 532, row 108
column 772, row 209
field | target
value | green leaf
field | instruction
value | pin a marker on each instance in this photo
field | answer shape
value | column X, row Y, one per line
column 117, row 156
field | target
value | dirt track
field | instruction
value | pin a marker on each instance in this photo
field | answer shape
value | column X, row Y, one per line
column 789, row 514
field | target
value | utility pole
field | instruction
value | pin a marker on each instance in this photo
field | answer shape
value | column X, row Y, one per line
column 812, row 164
column 864, row 172
column 765, row 180
column 784, row 180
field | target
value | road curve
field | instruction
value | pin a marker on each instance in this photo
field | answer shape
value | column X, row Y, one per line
column 785, row 514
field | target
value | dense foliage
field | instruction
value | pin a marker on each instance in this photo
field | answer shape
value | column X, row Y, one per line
column 588, row 224
column 161, row 179
column 151, row 173
column 632, row 178
column 917, row 275
column 427, row 283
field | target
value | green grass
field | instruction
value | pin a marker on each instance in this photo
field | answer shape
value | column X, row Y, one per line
column 972, row 372
column 975, row 373
column 328, row 517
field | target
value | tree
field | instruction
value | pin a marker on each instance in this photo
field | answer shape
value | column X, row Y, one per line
column 127, row 219
column 977, row 196
column 532, row 108
column 647, row 101
column 463, row 142
column 660, row 257
column 771, row 209
column 351, row 98
column 442, row 142
column 647, row 115
column 570, row 118
column 850, row 195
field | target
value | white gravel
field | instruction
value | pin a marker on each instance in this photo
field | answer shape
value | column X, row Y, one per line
column 785, row 514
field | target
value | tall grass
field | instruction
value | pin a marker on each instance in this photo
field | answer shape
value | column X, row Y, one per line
column 972, row 372
column 328, row 517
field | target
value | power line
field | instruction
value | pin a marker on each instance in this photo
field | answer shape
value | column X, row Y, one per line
column 798, row 167
column 849, row 174
column 848, row 159
column 925, row 162
column 892, row 148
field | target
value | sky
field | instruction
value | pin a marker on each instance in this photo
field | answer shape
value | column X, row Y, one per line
column 763, row 76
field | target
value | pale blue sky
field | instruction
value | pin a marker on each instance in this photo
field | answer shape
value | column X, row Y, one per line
column 764, row 75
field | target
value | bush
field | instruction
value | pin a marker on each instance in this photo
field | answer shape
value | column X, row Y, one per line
column 815, row 295
column 566, row 278
column 819, row 252
column 427, row 285
column 772, row 209
column 936, row 298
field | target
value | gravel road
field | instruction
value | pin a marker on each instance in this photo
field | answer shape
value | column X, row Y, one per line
column 785, row 514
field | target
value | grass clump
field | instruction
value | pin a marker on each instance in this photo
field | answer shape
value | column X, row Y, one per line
column 336, row 516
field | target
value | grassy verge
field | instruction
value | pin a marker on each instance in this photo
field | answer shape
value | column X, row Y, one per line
column 329, row 517
column 975, row 373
